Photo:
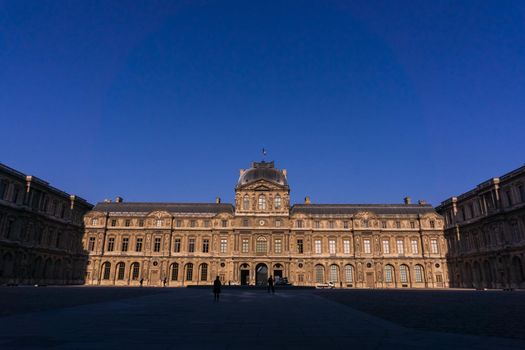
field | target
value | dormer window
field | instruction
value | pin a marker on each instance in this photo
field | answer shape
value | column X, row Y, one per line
column 158, row 223
column 262, row 202
column 278, row 202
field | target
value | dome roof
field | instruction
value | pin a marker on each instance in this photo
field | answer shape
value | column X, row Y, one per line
column 262, row 170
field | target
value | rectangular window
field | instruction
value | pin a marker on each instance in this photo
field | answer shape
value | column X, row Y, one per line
column 193, row 223
column 383, row 224
column 127, row 222
column 414, row 246
column 111, row 244
column 318, row 247
column 439, row 278
column 94, row 222
column 346, row 246
column 509, row 198
column 158, row 223
column 278, row 248
column 317, row 224
column 125, row 243
column 156, row 247
column 366, row 246
column 433, row 246
column 245, row 223
column 138, row 245
column 412, row 224
column 345, row 224
column 400, row 246
column 113, row 222
column 432, row 224
column 386, row 247
column 224, row 245
column 331, row 246
column 224, row 223
column 141, row 224
column 205, row 245
column 176, row 245
column 299, row 223
column 365, row 223
column 277, row 222
column 91, row 244
column 331, row 224
column 398, row 224
column 300, row 246
column 191, row 245
column 178, row 223
column 245, row 245
column 206, row 223
column 521, row 191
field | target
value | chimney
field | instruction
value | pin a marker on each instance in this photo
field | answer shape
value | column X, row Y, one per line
column 285, row 173
column 218, row 200
column 307, row 200
column 422, row 201
column 407, row 200
column 107, row 200
column 119, row 200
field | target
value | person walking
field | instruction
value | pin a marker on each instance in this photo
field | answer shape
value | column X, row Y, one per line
column 141, row 281
column 270, row 285
column 165, row 281
column 216, row 289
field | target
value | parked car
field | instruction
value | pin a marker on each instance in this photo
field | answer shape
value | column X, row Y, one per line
column 329, row 285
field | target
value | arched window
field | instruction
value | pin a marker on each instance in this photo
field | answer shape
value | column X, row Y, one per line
column 246, row 202
column 189, row 272
column 349, row 273
column 403, row 273
column 106, row 271
column 204, row 272
column 334, row 273
column 261, row 245
column 319, row 273
column 135, row 271
column 389, row 273
column 262, row 202
column 120, row 270
column 419, row 273
column 278, row 202
column 174, row 271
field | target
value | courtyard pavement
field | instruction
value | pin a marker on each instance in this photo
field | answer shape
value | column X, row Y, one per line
column 187, row 318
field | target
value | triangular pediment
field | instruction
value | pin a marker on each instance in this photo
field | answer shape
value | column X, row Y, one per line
column 262, row 185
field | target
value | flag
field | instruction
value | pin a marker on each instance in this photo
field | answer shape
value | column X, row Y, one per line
column 264, row 152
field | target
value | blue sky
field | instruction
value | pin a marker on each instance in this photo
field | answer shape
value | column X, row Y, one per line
column 362, row 101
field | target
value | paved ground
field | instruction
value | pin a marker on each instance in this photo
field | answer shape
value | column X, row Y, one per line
column 95, row 318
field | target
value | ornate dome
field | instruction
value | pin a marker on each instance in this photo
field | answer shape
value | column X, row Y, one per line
column 262, row 170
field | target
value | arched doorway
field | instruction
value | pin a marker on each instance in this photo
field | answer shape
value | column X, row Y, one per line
column 261, row 275
column 277, row 271
column 245, row 274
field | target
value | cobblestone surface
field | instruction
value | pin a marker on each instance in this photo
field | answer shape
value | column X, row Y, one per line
column 488, row 313
column 187, row 318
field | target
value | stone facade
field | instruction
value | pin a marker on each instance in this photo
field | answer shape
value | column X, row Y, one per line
column 485, row 232
column 351, row 245
column 40, row 232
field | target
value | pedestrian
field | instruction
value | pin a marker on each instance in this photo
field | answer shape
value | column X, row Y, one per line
column 165, row 281
column 270, row 285
column 141, row 281
column 216, row 289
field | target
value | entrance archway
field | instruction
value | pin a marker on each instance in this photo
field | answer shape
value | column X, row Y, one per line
column 245, row 274
column 261, row 275
column 277, row 271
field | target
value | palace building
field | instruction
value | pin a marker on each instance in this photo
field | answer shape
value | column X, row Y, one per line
column 263, row 234
column 485, row 231
column 41, row 229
